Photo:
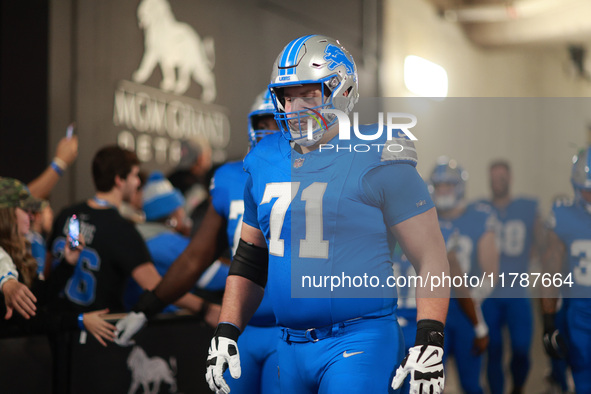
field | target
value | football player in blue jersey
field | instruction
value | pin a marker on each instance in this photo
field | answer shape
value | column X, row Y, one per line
column 476, row 253
column 258, row 342
column 313, row 211
column 569, row 240
column 518, row 230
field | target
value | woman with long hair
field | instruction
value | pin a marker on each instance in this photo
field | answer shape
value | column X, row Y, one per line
column 20, row 285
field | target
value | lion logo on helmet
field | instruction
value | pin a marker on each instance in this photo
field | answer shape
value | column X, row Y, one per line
column 337, row 57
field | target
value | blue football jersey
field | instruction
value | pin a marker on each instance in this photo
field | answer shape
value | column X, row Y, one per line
column 476, row 220
column 515, row 233
column 227, row 193
column 572, row 224
column 327, row 214
column 407, row 303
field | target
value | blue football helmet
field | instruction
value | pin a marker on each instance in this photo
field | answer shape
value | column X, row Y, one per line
column 263, row 106
column 449, row 172
column 581, row 176
column 313, row 59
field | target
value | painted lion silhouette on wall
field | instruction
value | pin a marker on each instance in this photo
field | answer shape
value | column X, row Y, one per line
column 177, row 48
column 146, row 370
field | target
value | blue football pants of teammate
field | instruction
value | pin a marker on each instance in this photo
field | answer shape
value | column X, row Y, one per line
column 578, row 317
column 459, row 339
column 559, row 366
column 516, row 314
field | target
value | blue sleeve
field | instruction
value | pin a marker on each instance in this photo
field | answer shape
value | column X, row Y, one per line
column 398, row 190
column 219, row 195
column 250, row 207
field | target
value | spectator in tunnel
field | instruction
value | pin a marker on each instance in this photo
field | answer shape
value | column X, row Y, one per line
column 22, row 288
column 114, row 250
column 163, row 232
column 132, row 209
column 191, row 177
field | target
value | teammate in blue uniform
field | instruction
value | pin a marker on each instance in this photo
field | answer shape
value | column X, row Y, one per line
column 569, row 240
column 510, row 306
column 476, row 253
column 258, row 343
column 319, row 212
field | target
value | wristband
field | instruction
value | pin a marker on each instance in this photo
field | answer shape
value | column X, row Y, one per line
column 60, row 163
column 429, row 332
column 57, row 168
column 549, row 320
column 6, row 277
column 227, row 330
column 81, row 325
column 149, row 304
column 481, row 330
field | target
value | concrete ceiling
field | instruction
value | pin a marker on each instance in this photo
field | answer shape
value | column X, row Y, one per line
column 499, row 23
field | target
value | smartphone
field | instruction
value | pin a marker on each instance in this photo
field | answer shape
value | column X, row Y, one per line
column 74, row 232
column 70, row 131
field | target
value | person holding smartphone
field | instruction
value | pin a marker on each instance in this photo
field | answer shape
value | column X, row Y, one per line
column 22, row 289
column 114, row 251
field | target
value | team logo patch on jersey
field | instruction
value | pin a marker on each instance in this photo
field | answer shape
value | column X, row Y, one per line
column 297, row 163
column 337, row 57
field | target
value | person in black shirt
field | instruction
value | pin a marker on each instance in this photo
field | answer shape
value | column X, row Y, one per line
column 114, row 249
column 24, row 286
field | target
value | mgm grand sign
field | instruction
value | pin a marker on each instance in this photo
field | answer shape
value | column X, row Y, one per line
column 152, row 122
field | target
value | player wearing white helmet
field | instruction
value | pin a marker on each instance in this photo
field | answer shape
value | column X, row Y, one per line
column 313, row 211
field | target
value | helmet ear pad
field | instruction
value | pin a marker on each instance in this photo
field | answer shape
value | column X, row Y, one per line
column 341, row 102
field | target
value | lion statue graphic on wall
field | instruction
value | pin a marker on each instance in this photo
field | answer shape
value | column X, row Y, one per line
column 174, row 46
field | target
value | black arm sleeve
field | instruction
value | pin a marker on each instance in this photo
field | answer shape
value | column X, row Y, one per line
column 251, row 262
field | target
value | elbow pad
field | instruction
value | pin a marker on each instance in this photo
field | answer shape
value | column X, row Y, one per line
column 251, row 262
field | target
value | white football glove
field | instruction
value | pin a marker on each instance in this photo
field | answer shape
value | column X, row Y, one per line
column 223, row 354
column 425, row 365
column 424, row 361
column 127, row 327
